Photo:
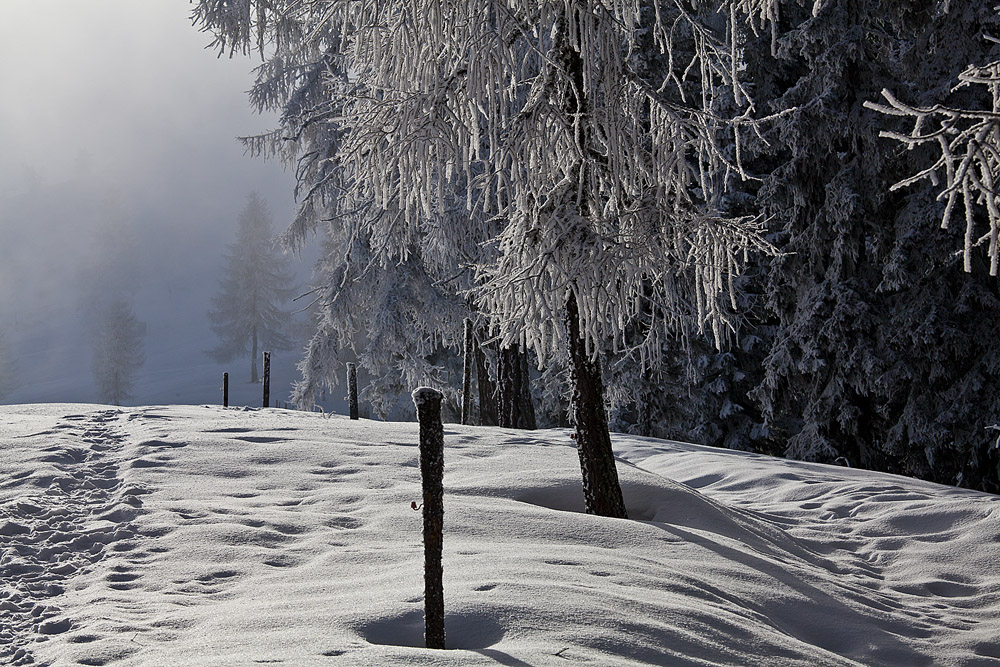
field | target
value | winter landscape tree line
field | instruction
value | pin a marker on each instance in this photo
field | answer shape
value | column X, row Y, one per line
column 696, row 220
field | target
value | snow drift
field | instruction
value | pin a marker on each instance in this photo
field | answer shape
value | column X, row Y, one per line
column 190, row 535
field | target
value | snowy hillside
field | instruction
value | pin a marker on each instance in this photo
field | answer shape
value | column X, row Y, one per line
column 188, row 535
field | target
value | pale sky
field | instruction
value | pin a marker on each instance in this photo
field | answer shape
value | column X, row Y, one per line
column 118, row 156
column 119, row 88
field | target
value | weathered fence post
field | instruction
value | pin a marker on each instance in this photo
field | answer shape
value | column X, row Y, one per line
column 467, row 375
column 225, row 390
column 428, row 402
column 267, row 379
column 352, row 389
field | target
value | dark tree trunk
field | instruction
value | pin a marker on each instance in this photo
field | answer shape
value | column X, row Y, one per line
column 601, row 489
column 467, row 375
column 225, row 390
column 507, row 386
column 513, row 391
column 487, row 400
column 254, row 378
column 526, row 409
column 428, row 403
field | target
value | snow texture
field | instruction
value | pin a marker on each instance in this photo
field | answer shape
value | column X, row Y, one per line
column 423, row 395
column 188, row 535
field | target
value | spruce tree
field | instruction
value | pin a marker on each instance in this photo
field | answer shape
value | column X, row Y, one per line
column 118, row 352
column 250, row 311
column 877, row 351
column 7, row 367
column 941, row 387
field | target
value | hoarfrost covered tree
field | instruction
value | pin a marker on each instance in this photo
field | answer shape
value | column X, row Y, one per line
column 597, row 172
column 814, row 66
column 396, row 321
column 878, row 352
column 396, row 317
column 249, row 311
column 118, row 352
column 946, row 395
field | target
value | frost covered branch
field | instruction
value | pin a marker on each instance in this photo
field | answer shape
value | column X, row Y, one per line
column 968, row 143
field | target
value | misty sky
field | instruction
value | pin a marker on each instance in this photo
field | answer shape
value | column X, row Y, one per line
column 119, row 172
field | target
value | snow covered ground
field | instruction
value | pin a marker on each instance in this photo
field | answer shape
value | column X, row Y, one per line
column 186, row 535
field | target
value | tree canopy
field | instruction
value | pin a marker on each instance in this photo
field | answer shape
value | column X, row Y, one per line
column 603, row 182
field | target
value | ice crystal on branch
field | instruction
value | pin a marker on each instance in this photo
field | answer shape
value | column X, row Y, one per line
column 968, row 163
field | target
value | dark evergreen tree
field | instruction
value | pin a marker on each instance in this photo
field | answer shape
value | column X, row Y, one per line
column 940, row 389
column 251, row 311
column 877, row 346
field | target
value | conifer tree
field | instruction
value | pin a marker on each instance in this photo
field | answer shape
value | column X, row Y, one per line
column 598, row 175
column 250, row 311
column 941, row 388
column 118, row 352
column 877, row 352
column 7, row 367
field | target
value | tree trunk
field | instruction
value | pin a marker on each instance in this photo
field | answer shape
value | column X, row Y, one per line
column 514, row 393
column 601, row 489
column 507, row 386
column 526, row 409
column 254, row 378
column 487, row 400
column 467, row 374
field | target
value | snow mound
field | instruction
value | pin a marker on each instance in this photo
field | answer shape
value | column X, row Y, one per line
column 187, row 535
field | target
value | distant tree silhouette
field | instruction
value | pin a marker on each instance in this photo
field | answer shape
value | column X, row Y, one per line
column 6, row 367
column 247, row 312
column 118, row 353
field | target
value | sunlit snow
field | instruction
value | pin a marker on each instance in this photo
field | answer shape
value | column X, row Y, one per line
column 187, row 535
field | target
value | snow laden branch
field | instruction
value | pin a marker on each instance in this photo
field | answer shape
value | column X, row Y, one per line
column 537, row 150
column 968, row 145
column 646, row 280
column 620, row 154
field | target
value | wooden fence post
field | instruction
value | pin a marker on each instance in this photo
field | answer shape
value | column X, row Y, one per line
column 225, row 390
column 352, row 389
column 428, row 402
column 267, row 379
